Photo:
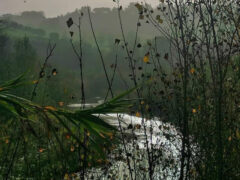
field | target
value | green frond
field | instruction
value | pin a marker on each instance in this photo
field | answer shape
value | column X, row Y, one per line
column 48, row 127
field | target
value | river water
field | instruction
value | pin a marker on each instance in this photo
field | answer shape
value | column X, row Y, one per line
column 163, row 140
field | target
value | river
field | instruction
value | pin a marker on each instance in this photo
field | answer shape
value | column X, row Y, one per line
column 164, row 143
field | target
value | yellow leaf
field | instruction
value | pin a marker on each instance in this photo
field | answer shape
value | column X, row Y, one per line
column 1, row 89
column 142, row 102
column 146, row 58
column 50, row 108
column 109, row 134
column 192, row 70
column 160, row 21
column 66, row 177
column 6, row 141
column 72, row 148
column 158, row 17
column 111, row 137
column 60, row 103
column 54, row 72
column 101, row 135
column 35, row 82
column 229, row 138
column 67, row 136
column 82, row 156
column 194, row 110
column 99, row 160
column 41, row 150
column 138, row 114
column 139, row 7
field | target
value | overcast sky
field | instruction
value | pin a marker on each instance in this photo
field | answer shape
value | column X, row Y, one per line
column 53, row 8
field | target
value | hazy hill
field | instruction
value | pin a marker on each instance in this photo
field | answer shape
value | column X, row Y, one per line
column 40, row 30
column 105, row 22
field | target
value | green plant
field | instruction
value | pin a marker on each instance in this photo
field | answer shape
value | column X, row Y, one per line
column 49, row 142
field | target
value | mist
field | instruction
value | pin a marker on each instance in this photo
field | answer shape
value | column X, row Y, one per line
column 53, row 8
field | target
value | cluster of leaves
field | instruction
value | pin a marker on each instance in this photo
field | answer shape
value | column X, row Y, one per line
column 197, row 90
column 48, row 142
column 198, row 94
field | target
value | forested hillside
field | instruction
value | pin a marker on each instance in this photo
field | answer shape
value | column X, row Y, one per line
column 38, row 30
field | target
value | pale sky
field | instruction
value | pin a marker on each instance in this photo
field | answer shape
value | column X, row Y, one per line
column 54, row 8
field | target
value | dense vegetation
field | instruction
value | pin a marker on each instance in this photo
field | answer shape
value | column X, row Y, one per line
column 183, row 60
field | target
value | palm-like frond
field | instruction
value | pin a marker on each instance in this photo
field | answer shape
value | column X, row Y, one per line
column 81, row 131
